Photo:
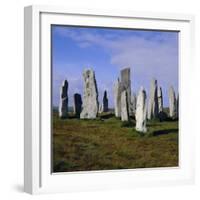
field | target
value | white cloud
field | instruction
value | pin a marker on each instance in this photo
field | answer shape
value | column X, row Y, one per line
column 148, row 57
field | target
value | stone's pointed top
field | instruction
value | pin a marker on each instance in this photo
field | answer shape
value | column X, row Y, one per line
column 65, row 82
column 88, row 70
column 171, row 91
column 126, row 69
column 77, row 94
column 88, row 73
column 64, row 89
column 125, row 74
column 142, row 88
column 154, row 81
column 171, row 88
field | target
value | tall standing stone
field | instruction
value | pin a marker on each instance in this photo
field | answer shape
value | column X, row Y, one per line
column 141, row 111
column 63, row 106
column 105, row 102
column 172, row 103
column 126, row 84
column 153, row 100
column 90, row 96
column 160, row 100
column 124, row 106
column 117, row 98
column 77, row 104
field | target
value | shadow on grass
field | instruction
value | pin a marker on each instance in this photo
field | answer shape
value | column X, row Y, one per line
column 162, row 132
column 128, row 124
column 107, row 116
column 171, row 120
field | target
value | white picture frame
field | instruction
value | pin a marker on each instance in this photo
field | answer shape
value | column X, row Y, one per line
column 37, row 132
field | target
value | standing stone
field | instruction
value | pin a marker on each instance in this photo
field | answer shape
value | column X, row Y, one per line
column 160, row 100
column 100, row 108
column 77, row 104
column 172, row 103
column 90, row 96
column 153, row 100
column 117, row 98
column 133, row 104
column 177, row 106
column 126, row 84
column 105, row 102
column 124, row 106
column 63, row 106
column 141, row 111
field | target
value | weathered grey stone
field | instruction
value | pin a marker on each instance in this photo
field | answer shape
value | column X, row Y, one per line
column 141, row 111
column 153, row 101
column 77, row 104
column 133, row 104
column 117, row 98
column 124, row 106
column 160, row 100
column 63, row 106
column 126, row 84
column 105, row 102
column 172, row 103
column 177, row 106
column 100, row 108
column 90, row 96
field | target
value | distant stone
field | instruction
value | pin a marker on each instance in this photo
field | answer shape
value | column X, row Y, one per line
column 126, row 84
column 124, row 106
column 117, row 98
column 77, row 104
column 105, row 102
column 177, row 106
column 141, row 111
column 100, row 108
column 160, row 100
column 172, row 103
column 153, row 101
column 63, row 106
column 133, row 104
column 90, row 96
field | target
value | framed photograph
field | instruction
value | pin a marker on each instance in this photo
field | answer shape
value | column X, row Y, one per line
column 106, row 99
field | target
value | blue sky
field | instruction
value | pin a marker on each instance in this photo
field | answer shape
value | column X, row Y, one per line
column 149, row 54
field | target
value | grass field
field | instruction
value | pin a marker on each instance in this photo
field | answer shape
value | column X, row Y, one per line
column 106, row 143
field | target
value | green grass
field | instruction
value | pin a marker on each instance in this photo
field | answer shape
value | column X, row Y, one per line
column 106, row 143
